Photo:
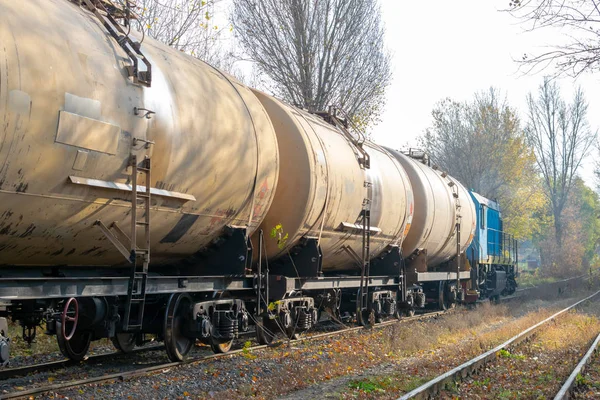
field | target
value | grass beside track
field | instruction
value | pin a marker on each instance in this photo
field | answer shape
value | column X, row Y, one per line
column 437, row 352
column 588, row 383
column 534, row 369
column 414, row 352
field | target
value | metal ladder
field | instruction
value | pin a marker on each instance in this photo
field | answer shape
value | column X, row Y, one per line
column 139, row 256
column 363, row 299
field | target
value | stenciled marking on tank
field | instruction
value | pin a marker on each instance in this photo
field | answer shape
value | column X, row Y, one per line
column 262, row 191
column 261, row 195
column 257, row 213
column 218, row 217
column 180, row 229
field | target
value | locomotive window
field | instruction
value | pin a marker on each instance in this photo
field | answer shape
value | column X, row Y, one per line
column 482, row 216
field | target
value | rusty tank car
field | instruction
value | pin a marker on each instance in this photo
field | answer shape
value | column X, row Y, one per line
column 143, row 191
column 80, row 134
column 73, row 121
column 443, row 227
column 322, row 192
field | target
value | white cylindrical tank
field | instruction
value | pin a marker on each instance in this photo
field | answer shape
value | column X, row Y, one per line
column 321, row 190
column 439, row 200
column 67, row 107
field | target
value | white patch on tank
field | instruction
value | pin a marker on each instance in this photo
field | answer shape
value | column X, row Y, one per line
column 19, row 102
column 83, row 106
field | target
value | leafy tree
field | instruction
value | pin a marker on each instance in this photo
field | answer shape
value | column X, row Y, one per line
column 481, row 144
column 318, row 53
column 560, row 137
column 581, row 230
column 588, row 204
column 579, row 19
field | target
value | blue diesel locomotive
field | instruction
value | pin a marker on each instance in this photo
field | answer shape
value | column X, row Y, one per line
column 493, row 253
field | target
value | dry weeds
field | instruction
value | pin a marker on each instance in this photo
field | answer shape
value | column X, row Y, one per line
column 382, row 362
column 537, row 368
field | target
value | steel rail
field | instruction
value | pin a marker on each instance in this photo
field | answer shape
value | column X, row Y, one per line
column 21, row 371
column 143, row 371
column 571, row 382
column 462, row 371
column 8, row 373
column 53, row 365
column 554, row 283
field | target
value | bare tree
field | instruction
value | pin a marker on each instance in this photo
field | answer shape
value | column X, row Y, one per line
column 579, row 21
column 185, row 25
column 318, row 53
column 561, row 138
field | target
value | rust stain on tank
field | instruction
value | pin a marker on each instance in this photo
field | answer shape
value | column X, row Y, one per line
column 90, row 251
column 22, row 188
column 28, row 231
column 6, row 229
column 237, row 118
column 59, row 252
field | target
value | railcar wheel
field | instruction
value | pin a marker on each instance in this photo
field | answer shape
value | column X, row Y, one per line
column 76, row 347
column 446, row 300
column 176, row 343
column 124, row 342
column 362, row 318
column 220, row 347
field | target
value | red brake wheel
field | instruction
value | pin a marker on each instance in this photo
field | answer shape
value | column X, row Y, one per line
column 71, row 317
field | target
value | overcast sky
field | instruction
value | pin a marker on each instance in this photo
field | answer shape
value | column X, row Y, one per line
column 454, row 49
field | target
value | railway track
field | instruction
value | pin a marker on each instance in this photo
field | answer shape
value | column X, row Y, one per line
column 54, row 365
column 97, row 359
column 576, row 378
column 163, row 366
column 434, row 386
column 559, row 285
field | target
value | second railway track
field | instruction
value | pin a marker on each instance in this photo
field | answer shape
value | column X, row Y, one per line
column 433, row 387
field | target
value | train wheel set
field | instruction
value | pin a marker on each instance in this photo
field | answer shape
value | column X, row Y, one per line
column 144, row 192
